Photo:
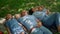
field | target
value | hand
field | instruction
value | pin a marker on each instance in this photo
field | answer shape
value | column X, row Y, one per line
column 22, row 32
column 39, row 24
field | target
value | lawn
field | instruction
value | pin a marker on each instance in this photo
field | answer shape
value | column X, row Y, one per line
column 15, row 6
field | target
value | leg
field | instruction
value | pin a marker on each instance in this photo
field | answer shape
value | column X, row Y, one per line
column 58, row 21
column 45, row 30
column 48, row 21
column 36, row 31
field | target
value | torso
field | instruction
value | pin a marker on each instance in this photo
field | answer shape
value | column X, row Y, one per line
column 13, row 26
column 28, row 21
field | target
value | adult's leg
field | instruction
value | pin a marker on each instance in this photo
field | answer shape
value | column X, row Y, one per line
column 45, row 30
column 53, row 19
column 58, row 21
column 48, row 21
column 36, row 31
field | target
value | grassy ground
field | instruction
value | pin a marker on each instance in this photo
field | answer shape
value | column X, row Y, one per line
column 13, row 6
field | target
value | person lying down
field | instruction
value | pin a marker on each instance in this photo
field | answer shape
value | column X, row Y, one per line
column 33, row 25
column 12, row 25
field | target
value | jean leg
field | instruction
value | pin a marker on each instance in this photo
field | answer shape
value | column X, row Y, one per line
column 36, row 31
column 48, row 21
column 57, row 19
column 45, row 30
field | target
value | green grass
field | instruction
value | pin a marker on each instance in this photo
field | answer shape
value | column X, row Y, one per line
column 13, row 6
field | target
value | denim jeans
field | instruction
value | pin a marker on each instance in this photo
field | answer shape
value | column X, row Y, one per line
column 53, row 19
column 41, row 30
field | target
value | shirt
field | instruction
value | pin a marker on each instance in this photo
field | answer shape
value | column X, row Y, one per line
column 14, row 27
column 28, row 21
column 40, row 15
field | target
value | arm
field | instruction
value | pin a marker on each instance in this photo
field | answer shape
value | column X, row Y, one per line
column 22, row 27
column 8, row 30
column 48, row 12
column 20, row 24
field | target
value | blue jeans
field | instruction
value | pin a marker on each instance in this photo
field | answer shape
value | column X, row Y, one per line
column 41, row 30
column 52, row 19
